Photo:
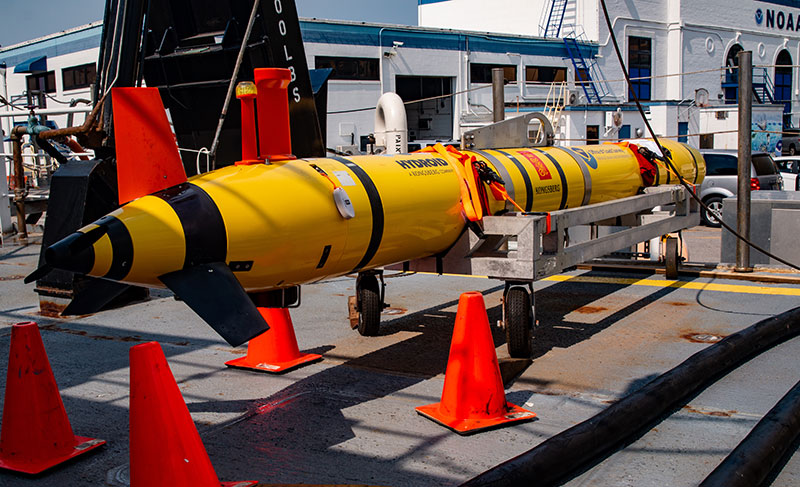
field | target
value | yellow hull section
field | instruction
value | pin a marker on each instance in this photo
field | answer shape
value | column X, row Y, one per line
column 278, row 225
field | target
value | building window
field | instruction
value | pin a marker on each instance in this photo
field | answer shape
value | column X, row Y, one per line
column 582, row 76
column 683, row 131
column 545, row 74
column 592, row 134
column 783, row 85
column 45, row 82
column 706, row 142
column 730, row 82
column 351, row 68
column 639, row 60
column 38, row 84
column 482, row 73
column 78, row 76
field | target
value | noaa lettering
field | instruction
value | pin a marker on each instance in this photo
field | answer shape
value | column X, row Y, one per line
column 777, row 19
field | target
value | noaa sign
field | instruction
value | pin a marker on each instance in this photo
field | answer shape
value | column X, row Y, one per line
column 779, row 19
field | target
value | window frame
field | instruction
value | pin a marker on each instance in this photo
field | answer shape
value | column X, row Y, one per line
column 90, row 76
column 487, row 68
column 366, row 68
column 637, row 69
column 555, row 71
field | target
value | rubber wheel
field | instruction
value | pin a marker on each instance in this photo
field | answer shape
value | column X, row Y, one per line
column 715, row 204
column 671, row 258
column 792, row 150
column 369, row 319
column 519, row 322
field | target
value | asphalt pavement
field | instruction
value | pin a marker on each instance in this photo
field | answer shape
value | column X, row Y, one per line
column 350, row 418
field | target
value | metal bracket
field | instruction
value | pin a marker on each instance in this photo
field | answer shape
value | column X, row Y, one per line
column 514, row 132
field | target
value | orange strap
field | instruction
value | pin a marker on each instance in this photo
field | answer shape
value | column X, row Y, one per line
column 469, row 179
column 500, row 193
column 324, row 174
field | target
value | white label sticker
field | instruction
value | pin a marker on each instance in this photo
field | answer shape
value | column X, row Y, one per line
column 344, row 178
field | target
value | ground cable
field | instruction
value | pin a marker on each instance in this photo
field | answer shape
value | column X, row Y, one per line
column 752, row 461
column 572, row 452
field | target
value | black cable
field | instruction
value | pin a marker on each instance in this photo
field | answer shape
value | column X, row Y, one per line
column 667, row 159
column 51, row 151
column 9, row 104
column 338, row 153
column 448, row 95
column 48, row 95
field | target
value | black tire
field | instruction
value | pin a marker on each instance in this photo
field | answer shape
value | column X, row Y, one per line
column 714, row 203
column 671, row 258
column 369, row 296
column 519, row 322
column 792, row 150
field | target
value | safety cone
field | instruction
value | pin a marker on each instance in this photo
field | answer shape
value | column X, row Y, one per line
column 36, row 434
column 274, row 351
column 473, row 398
column 165, row 448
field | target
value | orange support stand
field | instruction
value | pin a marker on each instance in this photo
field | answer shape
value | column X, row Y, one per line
column 274, row 351
column 246, row 92
column 36, row 434
column 275, row 139
column 165, row 448
column 473, row 398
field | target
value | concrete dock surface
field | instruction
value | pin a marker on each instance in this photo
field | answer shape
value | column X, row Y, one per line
column 350, row 418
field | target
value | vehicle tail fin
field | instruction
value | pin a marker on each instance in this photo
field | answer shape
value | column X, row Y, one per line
column 147, row 153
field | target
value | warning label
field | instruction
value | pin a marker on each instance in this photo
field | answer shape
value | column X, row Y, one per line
column 538, row 164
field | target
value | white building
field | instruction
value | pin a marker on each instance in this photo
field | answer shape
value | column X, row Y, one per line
column 682, row 45
column 368, row 60
column 671, row 44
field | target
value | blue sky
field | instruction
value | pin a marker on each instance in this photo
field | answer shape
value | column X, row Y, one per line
column 21, row 21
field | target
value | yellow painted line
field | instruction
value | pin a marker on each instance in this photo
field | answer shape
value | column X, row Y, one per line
column 699, row 286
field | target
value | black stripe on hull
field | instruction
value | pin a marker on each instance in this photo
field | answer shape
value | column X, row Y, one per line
column 203, row 226
column 696, row 168
column 121, row 248
column 376, row 205
column 500, row 168
column 564, row 187
column 525, row 177
column 587, row 177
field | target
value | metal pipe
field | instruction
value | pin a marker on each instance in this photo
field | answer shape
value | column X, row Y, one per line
column 82, row 129
column 5, row 210
column 19, row 180
column 232, row 84
column 498, row 95
column 745, row 96
column 47, row 111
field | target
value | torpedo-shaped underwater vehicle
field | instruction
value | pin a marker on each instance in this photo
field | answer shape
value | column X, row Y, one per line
column 272, row 221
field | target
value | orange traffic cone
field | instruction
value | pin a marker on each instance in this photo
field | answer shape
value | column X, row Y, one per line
column 473, row 398
column 36, row 433
column 165, row 448
column 275, row 350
